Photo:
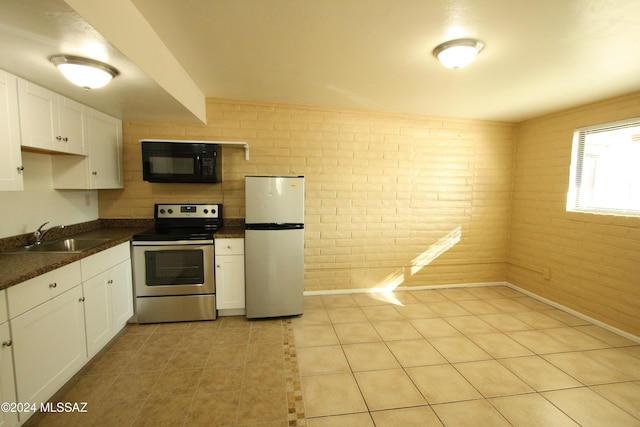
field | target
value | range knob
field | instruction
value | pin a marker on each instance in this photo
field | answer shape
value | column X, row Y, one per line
column 170, row 211
column 162, row 211
column 206, row 211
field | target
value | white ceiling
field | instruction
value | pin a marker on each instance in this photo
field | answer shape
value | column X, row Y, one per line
column 540, row 56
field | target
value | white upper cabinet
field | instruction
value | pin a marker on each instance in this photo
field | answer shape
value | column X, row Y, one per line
column 87, row 142
column 49, row 121
column 10, row 155
column 105, row 150
column 73, row 126
column 102, row 168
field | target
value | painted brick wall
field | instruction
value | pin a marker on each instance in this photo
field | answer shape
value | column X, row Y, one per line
column 390, row 199
column 590, row 263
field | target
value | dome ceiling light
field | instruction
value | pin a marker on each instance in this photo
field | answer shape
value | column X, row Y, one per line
column 84, row 72
column 458, row 53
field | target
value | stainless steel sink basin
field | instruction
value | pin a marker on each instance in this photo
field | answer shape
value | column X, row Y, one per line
column 72, row 245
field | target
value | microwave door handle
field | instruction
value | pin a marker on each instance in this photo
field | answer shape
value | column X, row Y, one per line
column 198, row 166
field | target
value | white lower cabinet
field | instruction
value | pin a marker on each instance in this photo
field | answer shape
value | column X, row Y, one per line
column 57, row 322
column 229, row 257
column 108, row 305
column 7, row 381
column 108, row 294
column 97, row 312
column 121, row 295
column 49, row 347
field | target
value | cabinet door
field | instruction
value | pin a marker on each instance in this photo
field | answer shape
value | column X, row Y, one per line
column 102, row 168
column 97, row 311
column 7, row 384
column 10, row 155
column 121, row 288
column 108, row 305
column 38, row 116
column 49, row 346
column 105, row 150
column 71, row 138
column 230, row 282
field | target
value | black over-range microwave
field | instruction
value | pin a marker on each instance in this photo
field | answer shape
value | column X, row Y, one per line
column 181, row 161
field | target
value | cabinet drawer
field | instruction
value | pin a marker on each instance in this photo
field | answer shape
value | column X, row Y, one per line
column 229, row 246
column 96, row 264
column 4, row 316
column 33, row 292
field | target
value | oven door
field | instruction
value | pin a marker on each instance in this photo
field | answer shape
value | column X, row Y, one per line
column 173, row 268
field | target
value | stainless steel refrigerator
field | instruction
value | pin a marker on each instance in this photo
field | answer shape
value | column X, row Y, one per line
column 274, row 246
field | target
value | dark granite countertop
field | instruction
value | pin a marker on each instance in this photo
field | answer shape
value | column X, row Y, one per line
column 16, row 268
column 230, row 232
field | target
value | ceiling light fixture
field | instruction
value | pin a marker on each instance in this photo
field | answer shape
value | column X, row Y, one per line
column 458, row 53
column 84, row 72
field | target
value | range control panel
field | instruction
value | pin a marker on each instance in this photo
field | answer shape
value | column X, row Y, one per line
column 188, row 211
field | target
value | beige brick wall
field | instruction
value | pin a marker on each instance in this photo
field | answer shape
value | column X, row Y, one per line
column 390, row 199
column 590, row 263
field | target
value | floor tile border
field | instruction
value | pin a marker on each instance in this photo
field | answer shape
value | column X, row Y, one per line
column 292, row 377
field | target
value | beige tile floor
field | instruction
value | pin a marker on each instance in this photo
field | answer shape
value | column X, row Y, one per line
column 456, row 357
column 486, row 356
column 229, row 372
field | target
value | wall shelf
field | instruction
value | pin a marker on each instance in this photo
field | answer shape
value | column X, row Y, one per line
column 245, row 145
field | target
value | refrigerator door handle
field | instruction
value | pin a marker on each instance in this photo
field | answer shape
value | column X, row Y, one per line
column 274, row 226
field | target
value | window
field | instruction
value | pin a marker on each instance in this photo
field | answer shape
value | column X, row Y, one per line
column 605, row 169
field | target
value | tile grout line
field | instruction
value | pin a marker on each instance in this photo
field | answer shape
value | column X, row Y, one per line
column 607, row 345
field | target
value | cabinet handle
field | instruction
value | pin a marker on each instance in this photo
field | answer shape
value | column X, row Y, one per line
column 7, row 343
column 65, row 139
column 218, row 265
column 20, row 168
column 53, row 285
column 110, row 282
column 94, row 173
column 81, row 299
column 59, row 138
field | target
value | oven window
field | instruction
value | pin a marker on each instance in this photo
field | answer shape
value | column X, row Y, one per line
column 174, row 267
column 161, row 165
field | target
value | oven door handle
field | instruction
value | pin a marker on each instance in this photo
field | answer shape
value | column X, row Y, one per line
column 173, row 243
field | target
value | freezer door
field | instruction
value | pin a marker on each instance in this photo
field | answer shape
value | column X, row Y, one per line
column 274, row 200
column 274, row 272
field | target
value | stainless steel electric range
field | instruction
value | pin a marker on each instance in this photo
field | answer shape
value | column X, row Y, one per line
column 173, row 264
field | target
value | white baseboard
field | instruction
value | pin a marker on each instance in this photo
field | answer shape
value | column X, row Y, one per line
column 553, row 304
column 402, row 288
column 589, row 319
column 231, row 312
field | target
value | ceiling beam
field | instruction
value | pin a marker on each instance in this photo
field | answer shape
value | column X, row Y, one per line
column 120, row 22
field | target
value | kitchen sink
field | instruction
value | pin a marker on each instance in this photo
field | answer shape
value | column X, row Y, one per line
column 71, row 245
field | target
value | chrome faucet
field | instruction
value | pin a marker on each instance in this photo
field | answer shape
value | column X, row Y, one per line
column 39, row 233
